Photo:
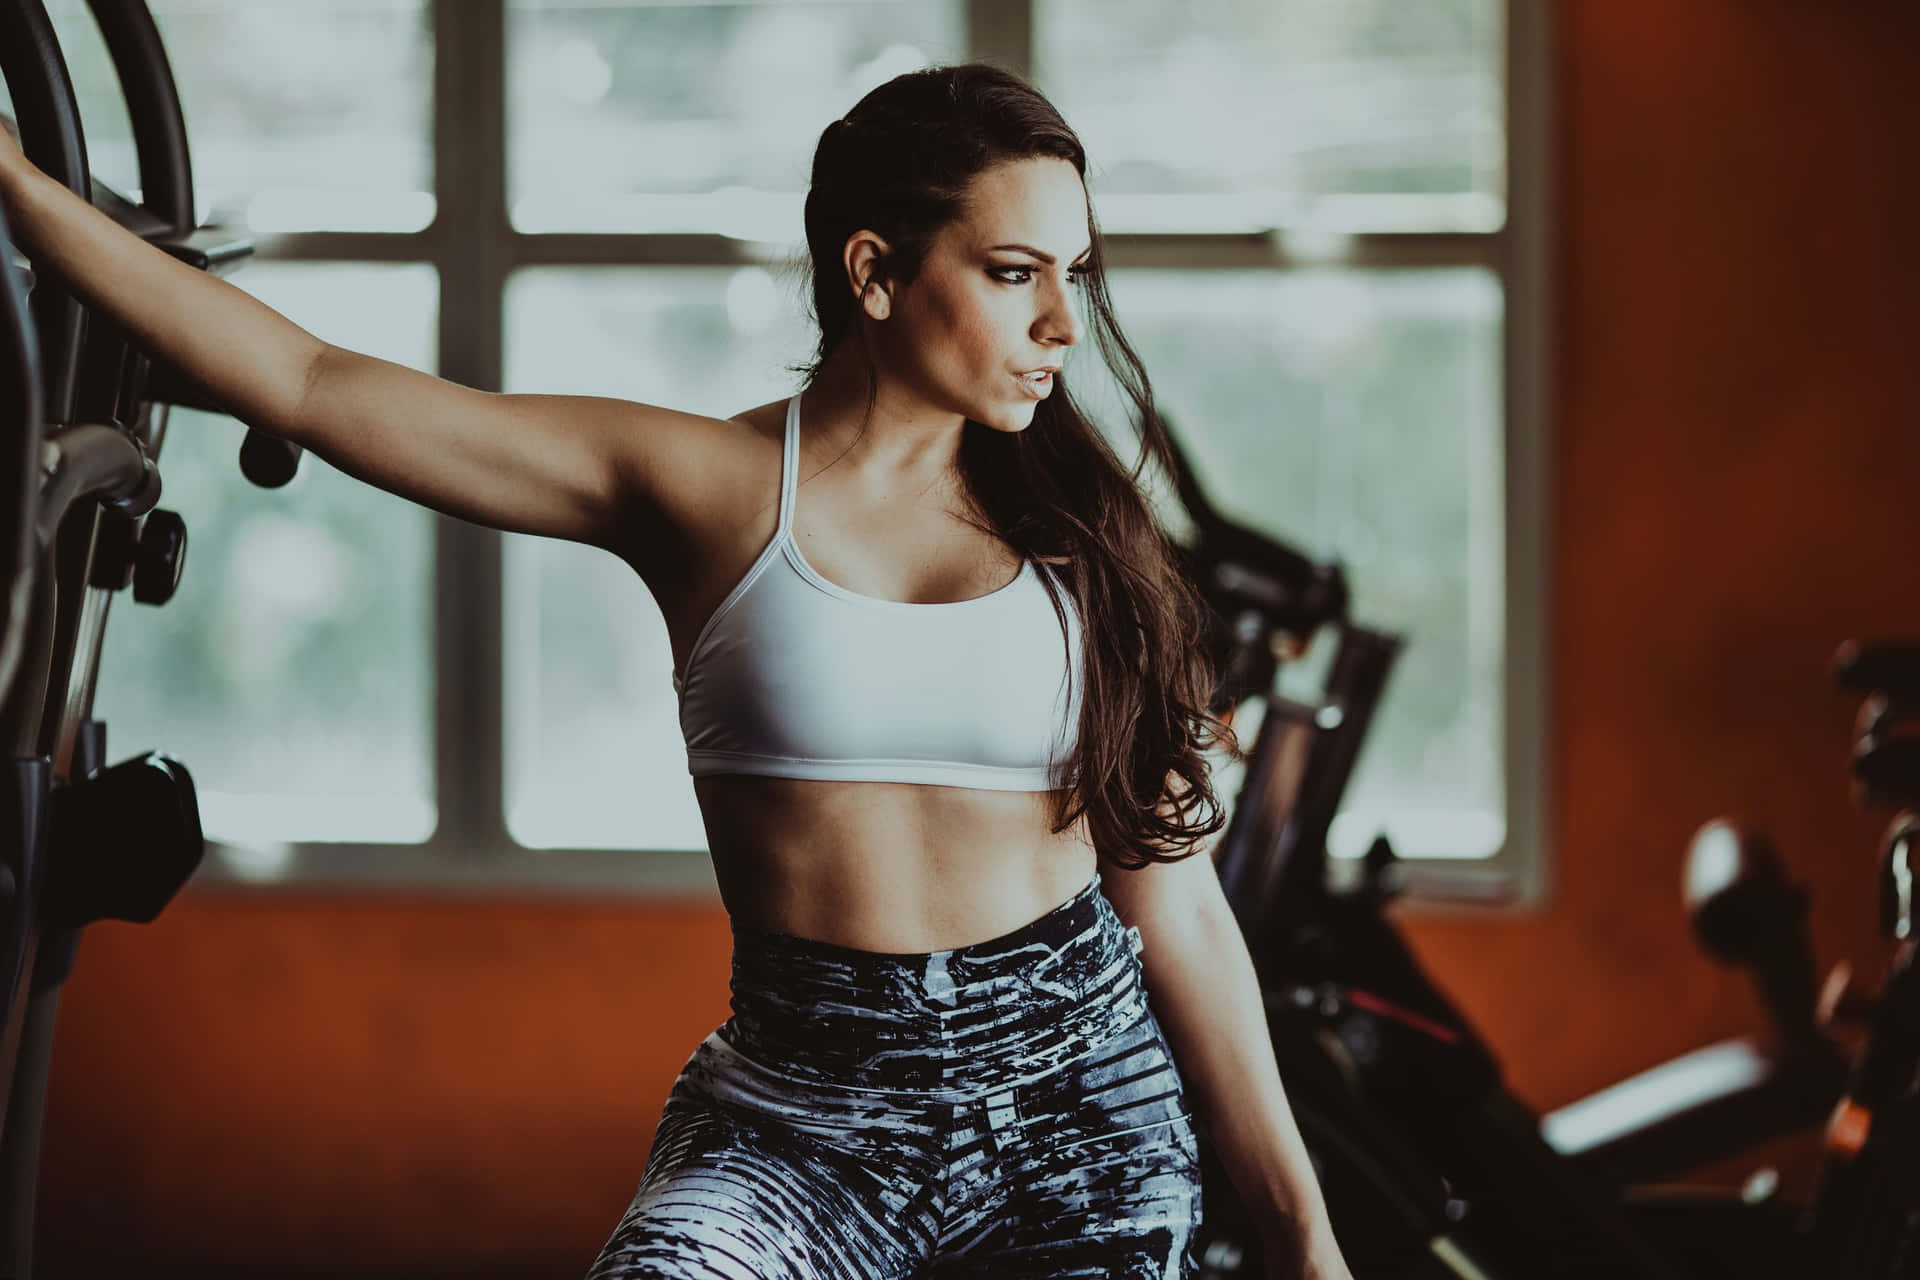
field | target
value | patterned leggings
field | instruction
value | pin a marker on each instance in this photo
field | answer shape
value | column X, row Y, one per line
column 1008, row 1109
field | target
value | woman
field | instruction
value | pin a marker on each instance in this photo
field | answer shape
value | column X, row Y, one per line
column 909, row 753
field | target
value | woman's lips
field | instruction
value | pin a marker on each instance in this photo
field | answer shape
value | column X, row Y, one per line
column 1037, row 387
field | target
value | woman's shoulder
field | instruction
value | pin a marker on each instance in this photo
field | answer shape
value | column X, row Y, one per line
column 767, row 421
column 707, row 478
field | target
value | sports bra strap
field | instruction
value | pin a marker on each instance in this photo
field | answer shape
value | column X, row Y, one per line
column 789, row 465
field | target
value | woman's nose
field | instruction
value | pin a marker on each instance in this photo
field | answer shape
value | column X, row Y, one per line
column 1060, row 321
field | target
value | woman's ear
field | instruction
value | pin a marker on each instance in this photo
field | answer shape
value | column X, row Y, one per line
column 864, row 256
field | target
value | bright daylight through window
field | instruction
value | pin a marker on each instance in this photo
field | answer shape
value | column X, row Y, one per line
column 1310, row 245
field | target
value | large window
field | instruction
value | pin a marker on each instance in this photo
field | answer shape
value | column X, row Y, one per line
column 293, row 669
column 1324, row 222
column 594, row 754
column 299, row 115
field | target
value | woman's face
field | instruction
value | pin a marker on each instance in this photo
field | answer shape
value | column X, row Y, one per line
column 998, row 296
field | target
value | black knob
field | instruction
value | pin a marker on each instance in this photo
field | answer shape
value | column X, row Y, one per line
column 267, row 460
column 115, row 541
column 1735, row 889
column 120, row 843
column 1746, row 912
column 161, row 558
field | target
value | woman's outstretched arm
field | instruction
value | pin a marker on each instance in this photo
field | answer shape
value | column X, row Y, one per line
column 570, row 467
column 1206, row 995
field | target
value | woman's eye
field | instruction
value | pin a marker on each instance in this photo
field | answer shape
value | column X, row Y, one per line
column 1075, row 275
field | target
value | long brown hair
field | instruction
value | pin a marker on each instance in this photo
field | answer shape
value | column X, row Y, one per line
column 899, row 164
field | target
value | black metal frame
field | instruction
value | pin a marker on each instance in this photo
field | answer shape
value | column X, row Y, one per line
column 83, row 841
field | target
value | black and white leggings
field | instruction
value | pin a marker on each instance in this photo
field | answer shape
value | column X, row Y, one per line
column 1007, row 1109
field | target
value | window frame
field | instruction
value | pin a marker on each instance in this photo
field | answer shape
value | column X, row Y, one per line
column 475, row 249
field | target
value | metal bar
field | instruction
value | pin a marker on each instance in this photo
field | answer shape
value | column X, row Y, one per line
column 1203, row 250
column 1257, row 251
column 1523, row 860
column 1001, row 32
column 470, row 232
column 348, row 246
column 469, row 871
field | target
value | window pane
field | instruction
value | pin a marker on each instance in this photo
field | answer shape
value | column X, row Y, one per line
column 302, row 114
column 291, row 671
column 1359, row 416
column 1350, row 115
column 694, row 117
column 594, row 754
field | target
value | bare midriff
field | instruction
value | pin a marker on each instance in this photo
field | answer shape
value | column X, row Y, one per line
column 888, row 866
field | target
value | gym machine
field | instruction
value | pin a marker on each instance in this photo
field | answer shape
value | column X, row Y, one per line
column 85, row 419
column 1865, row 1216
column 1431, row 1167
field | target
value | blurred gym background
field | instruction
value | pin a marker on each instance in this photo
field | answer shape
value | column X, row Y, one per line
column 1580, row 332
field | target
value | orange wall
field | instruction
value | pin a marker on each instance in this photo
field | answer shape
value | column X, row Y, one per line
column 343, row 1082
column 1737, row 441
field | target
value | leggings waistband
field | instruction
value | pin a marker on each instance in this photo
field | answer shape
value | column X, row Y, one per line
column 929, row 1022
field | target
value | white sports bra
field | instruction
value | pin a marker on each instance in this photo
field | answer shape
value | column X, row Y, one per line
column 796, row 677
